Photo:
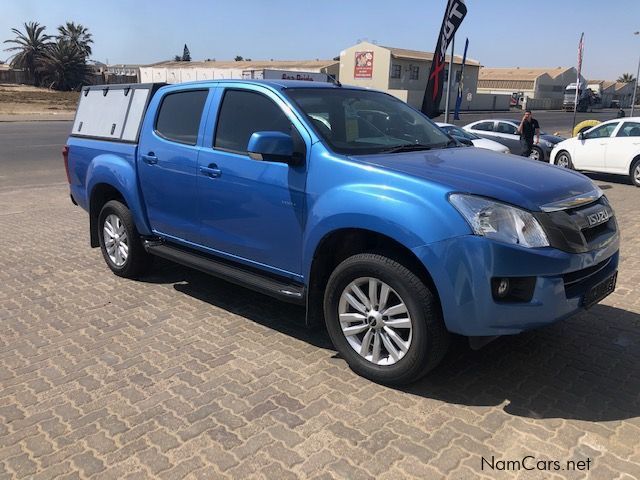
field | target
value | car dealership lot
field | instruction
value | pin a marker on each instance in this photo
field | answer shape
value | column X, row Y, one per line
column 183, row 374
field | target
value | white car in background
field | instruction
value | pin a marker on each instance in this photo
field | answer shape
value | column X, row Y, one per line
column 610, row 147
column 457, row 132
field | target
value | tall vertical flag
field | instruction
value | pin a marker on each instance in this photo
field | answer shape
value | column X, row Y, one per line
column 453, row 16
column 575, row 100
column 456, row 113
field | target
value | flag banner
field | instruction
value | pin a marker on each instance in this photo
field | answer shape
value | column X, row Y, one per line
column 456, row 113
column 453, row 16
column 580, row 51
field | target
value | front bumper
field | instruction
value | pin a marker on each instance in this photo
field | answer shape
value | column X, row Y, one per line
column 462, row 269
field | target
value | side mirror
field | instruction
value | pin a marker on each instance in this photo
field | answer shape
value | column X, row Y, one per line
column 271, row 146
column 464, row 141
column 581, row 136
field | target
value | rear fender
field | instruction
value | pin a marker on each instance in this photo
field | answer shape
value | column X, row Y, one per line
column 119, row 173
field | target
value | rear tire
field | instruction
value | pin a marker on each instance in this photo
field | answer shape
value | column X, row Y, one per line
column 120, row 241
column 634, row 173
column 399, row 335
column 563, row 159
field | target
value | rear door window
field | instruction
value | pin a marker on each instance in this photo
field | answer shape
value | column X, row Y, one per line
column 483, row 126
column 629, row 129
column 179, row 116
column 243, row 113
column 504, row 127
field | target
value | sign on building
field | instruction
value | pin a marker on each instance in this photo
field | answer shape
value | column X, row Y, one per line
column 292, row 75
column 364, row 65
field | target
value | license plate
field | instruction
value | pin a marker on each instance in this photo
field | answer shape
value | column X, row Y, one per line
column 599, row 291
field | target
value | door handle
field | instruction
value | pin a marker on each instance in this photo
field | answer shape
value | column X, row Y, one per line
column 150, row 158
column 212, row 171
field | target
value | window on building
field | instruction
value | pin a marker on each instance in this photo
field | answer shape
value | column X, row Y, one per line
column 414, row 72
column 179, row 116
column 242, row 114
column 396, row 71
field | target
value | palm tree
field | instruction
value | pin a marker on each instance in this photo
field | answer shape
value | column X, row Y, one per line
column 30, row 47
column 626, row 78
column 78, row 35
column 63, row 66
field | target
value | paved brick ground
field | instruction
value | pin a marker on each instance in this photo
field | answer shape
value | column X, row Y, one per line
column 184, row 376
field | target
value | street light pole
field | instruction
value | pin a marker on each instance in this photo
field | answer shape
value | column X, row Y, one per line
column 635, row 88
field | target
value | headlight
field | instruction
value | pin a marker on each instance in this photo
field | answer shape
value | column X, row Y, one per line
column 499, row 221
column 547, row 143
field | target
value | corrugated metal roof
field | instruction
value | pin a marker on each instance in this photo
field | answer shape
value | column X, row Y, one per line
column 523, row 73
column 248, row 65
column 513, row 85
column 425, row 56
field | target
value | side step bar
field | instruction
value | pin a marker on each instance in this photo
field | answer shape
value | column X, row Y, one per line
column 289, row 292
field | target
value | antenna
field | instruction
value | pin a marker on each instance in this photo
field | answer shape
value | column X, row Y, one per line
column 334, row 80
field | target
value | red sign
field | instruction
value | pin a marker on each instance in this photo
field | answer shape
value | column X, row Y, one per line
column 364, row 65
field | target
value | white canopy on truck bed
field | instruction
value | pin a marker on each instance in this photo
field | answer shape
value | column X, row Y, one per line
column 113, row 112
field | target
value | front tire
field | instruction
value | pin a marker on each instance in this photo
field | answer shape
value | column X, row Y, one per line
column 120, row 241
column 383, row 320
column 634, row 174
column 536, row 154
column 563, row 159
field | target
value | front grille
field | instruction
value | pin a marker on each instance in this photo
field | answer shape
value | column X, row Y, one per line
column 570, row 230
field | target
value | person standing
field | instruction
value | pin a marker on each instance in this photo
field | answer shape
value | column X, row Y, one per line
column 528, row 128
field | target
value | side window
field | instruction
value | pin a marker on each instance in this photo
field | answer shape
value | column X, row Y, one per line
column 242, row 114
column 504, row 127
column 179, row 116
column 484, row 126
column 601, row 131
column 629, row 129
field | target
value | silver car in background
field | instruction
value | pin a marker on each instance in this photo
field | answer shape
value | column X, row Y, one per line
column 505, row 131
column 460, row 134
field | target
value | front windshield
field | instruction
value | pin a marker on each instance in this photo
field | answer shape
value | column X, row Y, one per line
column 459, row 132
column 360, row 122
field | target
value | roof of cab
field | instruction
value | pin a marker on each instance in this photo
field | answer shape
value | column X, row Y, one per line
column 278, row 84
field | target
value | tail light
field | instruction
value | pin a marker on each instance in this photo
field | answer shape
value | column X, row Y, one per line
column 65, row 156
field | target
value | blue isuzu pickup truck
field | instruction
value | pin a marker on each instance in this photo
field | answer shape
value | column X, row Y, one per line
column 347, row 201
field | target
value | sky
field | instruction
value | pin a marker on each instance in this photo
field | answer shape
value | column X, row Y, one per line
column 502, row 33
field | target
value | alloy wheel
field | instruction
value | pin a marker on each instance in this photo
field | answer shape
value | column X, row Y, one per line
column 115, row 240
column 563, row 160
column 534, row 155
column 375, row 321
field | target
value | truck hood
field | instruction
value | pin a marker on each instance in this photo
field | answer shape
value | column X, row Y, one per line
column 519, row 181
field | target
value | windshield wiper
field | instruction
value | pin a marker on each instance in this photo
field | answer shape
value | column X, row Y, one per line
column 410, row 147
column 451, row 143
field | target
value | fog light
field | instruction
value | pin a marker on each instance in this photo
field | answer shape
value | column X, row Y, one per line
column 503, row 287
column 513, row 289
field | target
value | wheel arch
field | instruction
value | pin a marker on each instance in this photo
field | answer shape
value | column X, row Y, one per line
column 101, row 193
column 340, row 244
